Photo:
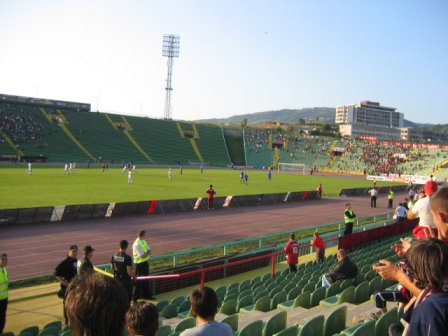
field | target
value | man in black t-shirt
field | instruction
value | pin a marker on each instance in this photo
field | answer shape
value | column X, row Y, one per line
column 122, row 267
column 85, row 265
column 65, row 271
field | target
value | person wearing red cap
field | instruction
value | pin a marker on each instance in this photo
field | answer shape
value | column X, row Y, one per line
column 421, row 210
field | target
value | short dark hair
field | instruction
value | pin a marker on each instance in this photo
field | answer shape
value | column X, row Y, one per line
column 292, row 236
column 439, row 201
column 96, row 305
column 143, row 319
column 428, row 260
column 124, row 244
column 204, row 302
column 141, row 233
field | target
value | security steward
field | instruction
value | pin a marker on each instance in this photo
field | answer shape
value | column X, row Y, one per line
column 349, row 217
column 140, row 255
column 122, row 267
column 65, row 271
column 4, row 282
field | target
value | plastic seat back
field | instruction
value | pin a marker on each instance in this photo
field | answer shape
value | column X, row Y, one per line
column 314, row 327
column 335, row 321
column 275, row 324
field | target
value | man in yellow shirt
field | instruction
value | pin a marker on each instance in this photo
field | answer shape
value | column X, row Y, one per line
column 3, row 290
column 140, row 255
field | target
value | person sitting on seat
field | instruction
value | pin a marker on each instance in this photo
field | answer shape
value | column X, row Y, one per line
column 343, row 269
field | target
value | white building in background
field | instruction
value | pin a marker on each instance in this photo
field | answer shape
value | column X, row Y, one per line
column 368, row 118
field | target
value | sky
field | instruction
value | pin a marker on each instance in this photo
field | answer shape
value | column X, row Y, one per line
column 236, row 56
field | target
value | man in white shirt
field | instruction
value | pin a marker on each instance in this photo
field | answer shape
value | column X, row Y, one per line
column 373, row 195
column 421, row 210
column 400, row 212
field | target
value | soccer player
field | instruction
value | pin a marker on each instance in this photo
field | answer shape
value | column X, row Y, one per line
column 130, row 180
column 30, row 169
column 170, row 173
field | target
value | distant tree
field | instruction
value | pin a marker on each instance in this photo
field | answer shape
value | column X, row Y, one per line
column 327, row 128
column 302, row 121
column 243, row 123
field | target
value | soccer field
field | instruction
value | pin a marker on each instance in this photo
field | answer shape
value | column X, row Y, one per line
column 50, row 187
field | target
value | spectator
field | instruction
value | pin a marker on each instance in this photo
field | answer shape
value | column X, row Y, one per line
column 142, row 319
column 319, row 245
column 422, row 211
column 390, row 198
column 4, row 280
column 292, row 253
column 211, row 195
column 65, row 271
column 439, row 212
column 400, row 212
column 428, row 260
column 204, row 304
column 85, row 264
column 349, row 217
column 373, row 195
column 343, row 269
column 96, row 306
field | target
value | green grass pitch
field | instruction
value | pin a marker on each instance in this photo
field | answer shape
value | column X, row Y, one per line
column 48, row 186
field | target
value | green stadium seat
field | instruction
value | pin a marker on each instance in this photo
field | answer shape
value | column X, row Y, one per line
column 265, row 277
column 9, row 333
column 370, row 275
column 293, row 293
column 335, row 321
column 384, row 321
column 309, row 287
column 245, row 285
column 362, row 292
column 274, row 291
column 254, row 328
column 169, row 311
column 67, row 332
column 185, row 313
column 54, row 324
column 164, row 330
column 275, row 324
column 50, row 331
column 184, row 307
column 347, row 283
column 314, row 327
column 30, row 331
column 232, row 321
column 228, row 307
column 245, row 293
column 260, row 295
column 347, row 295
column 303, row 300
column 244, row 302
column 262, row 304
column 291, row 331
column 317, row 296
column 186, row 323
column 366, row 328
column 162, row 304
column 278, row 298
column 334, row 289
column 375, row 285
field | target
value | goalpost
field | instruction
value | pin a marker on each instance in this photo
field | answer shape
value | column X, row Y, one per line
column 292, row 167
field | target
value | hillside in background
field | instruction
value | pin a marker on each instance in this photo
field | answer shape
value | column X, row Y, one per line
column 324, row 115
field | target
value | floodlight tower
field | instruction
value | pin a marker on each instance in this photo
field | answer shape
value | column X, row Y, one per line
column 170, row 50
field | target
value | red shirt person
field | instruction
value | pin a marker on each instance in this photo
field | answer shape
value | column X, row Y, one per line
column 210, row 194
column 292, row 253
column 319, row 245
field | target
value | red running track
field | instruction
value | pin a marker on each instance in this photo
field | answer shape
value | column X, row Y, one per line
column 36, row 249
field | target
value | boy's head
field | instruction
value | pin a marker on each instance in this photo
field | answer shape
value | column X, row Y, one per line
column 439, row 210
column 204, row 303
column 142, row 319
column 428, row 260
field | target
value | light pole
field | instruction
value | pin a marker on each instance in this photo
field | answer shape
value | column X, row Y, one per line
column 170, row 50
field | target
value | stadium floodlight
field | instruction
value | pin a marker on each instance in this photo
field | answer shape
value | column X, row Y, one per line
column 170, row 50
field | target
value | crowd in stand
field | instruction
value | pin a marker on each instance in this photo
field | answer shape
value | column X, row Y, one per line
column 20, row 129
